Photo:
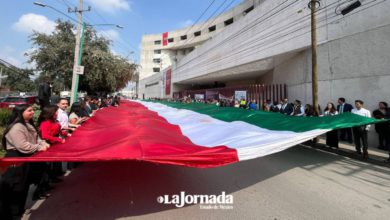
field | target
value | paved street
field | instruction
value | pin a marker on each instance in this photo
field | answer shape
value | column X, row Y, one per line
column 299, row 183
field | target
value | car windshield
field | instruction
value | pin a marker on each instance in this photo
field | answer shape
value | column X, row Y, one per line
column 15, row 99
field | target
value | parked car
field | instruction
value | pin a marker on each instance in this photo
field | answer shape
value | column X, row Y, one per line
column 12, row 101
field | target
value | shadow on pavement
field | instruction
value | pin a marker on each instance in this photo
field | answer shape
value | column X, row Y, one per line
column 110, row 190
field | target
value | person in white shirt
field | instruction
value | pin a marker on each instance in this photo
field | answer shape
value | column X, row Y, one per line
column 360, row 132
column 63, row 117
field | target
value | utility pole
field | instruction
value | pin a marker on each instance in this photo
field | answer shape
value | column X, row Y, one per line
column 77, row 51
column 1, row 75
column 314, row 76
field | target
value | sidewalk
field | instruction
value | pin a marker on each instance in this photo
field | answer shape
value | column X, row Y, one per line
column 375, row 156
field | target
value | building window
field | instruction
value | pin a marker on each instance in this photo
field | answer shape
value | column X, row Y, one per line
column 157, row 51
column 156, row 70
column 157, row 42
column 184, row 37
column 229, row 22
column 157, row 60
column 212, row 28
column 151, row 84
column 198, row 33
column 248, row 10
column 170, row 40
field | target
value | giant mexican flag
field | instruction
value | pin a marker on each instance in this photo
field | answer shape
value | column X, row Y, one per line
column 195, row 135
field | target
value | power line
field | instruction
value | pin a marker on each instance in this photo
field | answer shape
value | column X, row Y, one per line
column 204, row 12
column 128, row 45
column 266, row 35
column 245, row 29
column 285, row 27
column 200, row 17
column 215, row 18
column 215, row 11
column 9, row 65
column 103, row 19
column 66, row 15
column 273, row 40
column 66, row 3
column 327, row 23
column 248, row 47
column 123, row 45
column 69, row 5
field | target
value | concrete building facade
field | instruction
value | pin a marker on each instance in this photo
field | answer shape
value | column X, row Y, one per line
column 271, row 44
column 165, row 50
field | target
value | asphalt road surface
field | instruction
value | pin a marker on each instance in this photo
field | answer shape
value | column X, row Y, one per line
column 299, row 183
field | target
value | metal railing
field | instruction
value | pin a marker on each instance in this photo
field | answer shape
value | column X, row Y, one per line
column 257, row 92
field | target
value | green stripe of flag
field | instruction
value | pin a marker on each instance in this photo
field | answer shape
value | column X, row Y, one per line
column 275, row 121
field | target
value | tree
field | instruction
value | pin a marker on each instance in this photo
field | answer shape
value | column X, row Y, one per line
column 18, row 79
column 54, row 56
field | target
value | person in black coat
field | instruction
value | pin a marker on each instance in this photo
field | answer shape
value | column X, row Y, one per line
column 342, row 107
column 332, row 139
column 286, row 108
column 44, row 93
column 383, row 129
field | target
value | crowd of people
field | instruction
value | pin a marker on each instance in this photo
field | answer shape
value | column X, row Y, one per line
column 23, row 138
column 357, row 135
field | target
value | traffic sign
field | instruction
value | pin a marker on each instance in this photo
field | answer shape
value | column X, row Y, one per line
column 78, row 69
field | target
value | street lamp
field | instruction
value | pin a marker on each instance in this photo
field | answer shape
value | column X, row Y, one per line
column 44, row 5
column 116, row 25
column 77, row 53
column 128, row 55
column 40, row 4
column 77, row 68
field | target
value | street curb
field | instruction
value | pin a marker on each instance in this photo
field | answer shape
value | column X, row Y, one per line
column 373, row 159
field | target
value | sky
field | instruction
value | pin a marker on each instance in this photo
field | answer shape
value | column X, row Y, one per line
column 19, row 18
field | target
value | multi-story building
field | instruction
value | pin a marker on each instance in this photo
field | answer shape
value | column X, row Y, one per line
column 267, row 42
column 164, row 50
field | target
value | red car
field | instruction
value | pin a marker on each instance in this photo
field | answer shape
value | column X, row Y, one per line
column 12, row 101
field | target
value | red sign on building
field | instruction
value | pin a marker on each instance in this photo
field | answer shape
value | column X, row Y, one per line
column 168, row 76
column 165, row 38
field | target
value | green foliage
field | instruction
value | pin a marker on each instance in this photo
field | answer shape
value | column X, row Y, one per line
column 37, row 112
column 54, row 56
column 2, row 151
column 18, row 79
column 5, row 115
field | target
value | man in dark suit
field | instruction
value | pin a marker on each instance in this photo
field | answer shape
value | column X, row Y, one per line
column 44, row 93
column 342, row 107
column 286, row 108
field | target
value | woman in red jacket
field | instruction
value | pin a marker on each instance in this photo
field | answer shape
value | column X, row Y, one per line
column 49, row 127
column 50, row 131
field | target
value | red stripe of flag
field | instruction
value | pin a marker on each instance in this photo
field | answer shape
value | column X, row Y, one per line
column 132, row 132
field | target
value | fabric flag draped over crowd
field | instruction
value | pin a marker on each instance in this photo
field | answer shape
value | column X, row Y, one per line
column 194, row 135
